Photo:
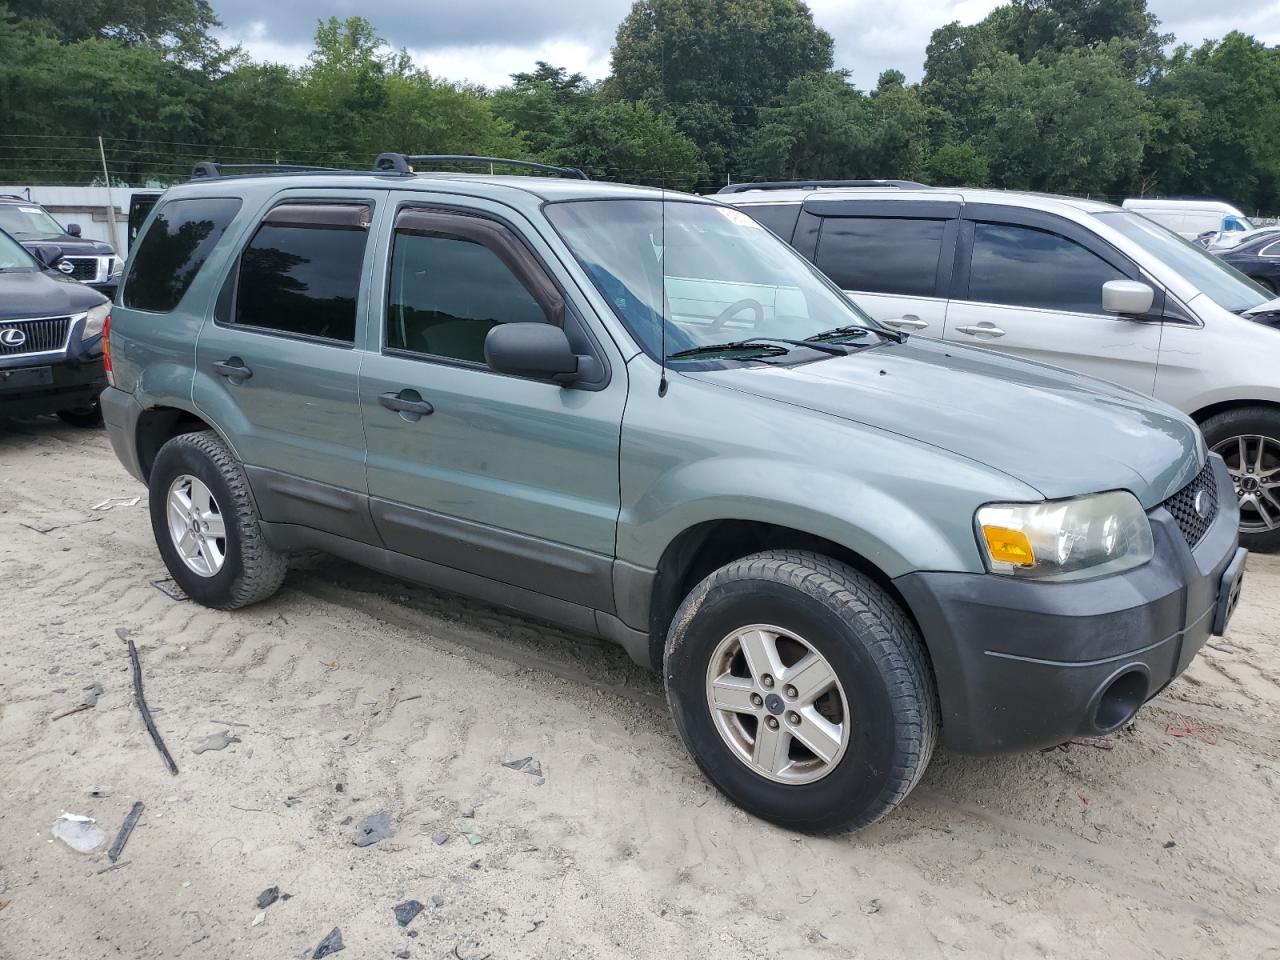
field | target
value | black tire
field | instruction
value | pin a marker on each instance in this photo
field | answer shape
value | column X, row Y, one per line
column 876, row 653
column 1224, row 427
column 88, row 417
column 252, row 569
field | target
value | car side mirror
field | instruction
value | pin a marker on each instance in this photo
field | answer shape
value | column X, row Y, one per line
column 73, row 229
column 47, row 253
column 1129, row 298
column 540, row 350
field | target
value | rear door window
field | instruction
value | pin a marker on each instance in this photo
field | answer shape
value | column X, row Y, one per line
column 780, row 218
column 1025, row 267
column 173, row 250
column 881, row 254
column 300, row 274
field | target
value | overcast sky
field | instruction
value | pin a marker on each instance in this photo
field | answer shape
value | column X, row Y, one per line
column 484, row 41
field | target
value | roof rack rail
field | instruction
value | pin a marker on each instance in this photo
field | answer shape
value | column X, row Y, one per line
column 820, row 185
column 209, row 170
column 15, row 196
column 403, row 163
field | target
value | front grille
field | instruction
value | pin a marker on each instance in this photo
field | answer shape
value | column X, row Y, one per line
column 39, row 336
column 1194, row 523
column 83, row 268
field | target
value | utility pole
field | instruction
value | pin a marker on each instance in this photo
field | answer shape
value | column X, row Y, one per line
column 111, row 204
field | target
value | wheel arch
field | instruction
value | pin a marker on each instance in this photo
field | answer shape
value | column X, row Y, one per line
column 1223, row 406
column 157, row 425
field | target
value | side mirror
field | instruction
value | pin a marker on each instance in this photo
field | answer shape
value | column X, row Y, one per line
column 73, row 229
column 1129, row 298
column 539, row 350
column 48, row 254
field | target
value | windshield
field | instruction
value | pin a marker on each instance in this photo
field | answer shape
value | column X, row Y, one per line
column 24, row 218
column 715, row 274
column 1222, row 284
column 13, row 256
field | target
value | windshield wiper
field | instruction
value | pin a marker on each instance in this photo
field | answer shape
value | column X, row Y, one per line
column 768, row 344
column 856, row 330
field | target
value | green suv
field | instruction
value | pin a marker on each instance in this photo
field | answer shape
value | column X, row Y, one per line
column 640, row 415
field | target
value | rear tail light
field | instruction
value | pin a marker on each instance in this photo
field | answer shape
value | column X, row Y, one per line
column 106, row 350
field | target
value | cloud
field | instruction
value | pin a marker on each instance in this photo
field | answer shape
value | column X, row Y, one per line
column 484, row 41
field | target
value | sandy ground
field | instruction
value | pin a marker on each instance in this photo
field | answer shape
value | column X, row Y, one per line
column 1165, row 846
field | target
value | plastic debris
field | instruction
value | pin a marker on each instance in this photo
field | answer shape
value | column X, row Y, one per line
column 440, row 837
column 91, row 694
column 525, row 765
column 473, row 838
column 374, row 827
column 260, row 919
column 403, row 955
column 330, row 944
column 80, row 833
column 123, row 634
column 110, row 502
column 267, row 897
column 126, row 828
column 292, row 801
column 215, row 741
column 405, row 912
column 467, row 812
column 437, row 900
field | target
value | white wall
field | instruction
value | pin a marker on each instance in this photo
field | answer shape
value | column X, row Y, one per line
column 86, row 206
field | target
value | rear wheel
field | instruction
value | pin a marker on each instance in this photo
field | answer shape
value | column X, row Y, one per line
column 1248, row 438
column 206, row 524
column 802, row 691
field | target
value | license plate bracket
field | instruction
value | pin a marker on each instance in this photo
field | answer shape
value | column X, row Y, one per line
column 24, row 378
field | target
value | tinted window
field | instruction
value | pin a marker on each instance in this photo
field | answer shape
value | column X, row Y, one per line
column 881, row 254
column 302, row 279
column 1033, row 268
column 778, row 217
column 173, row 250
column 447, row 293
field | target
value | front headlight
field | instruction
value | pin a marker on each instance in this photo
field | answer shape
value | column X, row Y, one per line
column 117, row 266
column 93, row 321
column 1074, row 539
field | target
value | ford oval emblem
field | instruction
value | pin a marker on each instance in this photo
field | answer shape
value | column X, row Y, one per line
column 12, row 337
column 1201, row 504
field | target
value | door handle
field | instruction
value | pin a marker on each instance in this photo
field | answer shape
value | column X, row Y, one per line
column 910, row 322
column 406, row 401
column 233, row 368
column 989, row 330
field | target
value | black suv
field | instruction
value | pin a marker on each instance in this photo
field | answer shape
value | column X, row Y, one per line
column 50, row 340
column 91, row 262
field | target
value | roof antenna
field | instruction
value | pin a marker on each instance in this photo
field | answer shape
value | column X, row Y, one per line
column 662, row 382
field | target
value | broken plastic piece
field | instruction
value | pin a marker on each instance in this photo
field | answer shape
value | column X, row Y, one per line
column 267, row 897
column 525, row 765
column 80, row 833
column 126, row 828
column 405, row 912
column 330, row 944
column 374, row 827
column 215, row 741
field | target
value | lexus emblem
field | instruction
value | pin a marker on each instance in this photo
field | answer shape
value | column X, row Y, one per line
column 1201, row 504
column 66, row 266
column 12, row 337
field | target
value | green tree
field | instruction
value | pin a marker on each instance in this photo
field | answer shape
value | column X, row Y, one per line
column 539, row 105
column 820, row 128
column 631, row 142
column 181, row 27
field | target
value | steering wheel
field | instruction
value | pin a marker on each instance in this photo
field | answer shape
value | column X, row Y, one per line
column 734, row 309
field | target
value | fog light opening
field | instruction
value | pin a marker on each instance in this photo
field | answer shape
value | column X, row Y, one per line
column 1120, row 701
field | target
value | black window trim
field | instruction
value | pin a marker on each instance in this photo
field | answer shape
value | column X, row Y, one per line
column 938, row 211
column 1010, row 216
column 233, row 275
column 566, row 315
column 145, row 229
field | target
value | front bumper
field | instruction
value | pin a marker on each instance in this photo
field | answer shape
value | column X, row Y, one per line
column 1022, row 665
column 47, row 383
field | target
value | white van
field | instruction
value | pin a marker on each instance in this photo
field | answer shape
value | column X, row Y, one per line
column 1191, row 218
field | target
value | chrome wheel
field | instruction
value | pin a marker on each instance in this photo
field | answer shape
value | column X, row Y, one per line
column 777, row 704
column 196, row 526
column 1254, row 463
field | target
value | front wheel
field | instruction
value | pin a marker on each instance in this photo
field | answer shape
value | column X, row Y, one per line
column 1248, row 438
column 802, row 690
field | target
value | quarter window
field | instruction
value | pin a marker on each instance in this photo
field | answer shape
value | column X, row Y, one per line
column 300, row 274
column 778, row 217
column 447, row 291
column 891, row 255
column 1024, row 267
column 173, row 250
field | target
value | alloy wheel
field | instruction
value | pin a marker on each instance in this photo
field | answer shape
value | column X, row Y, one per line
column 196, row 525
column 778, row 704
column 1254, row 464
